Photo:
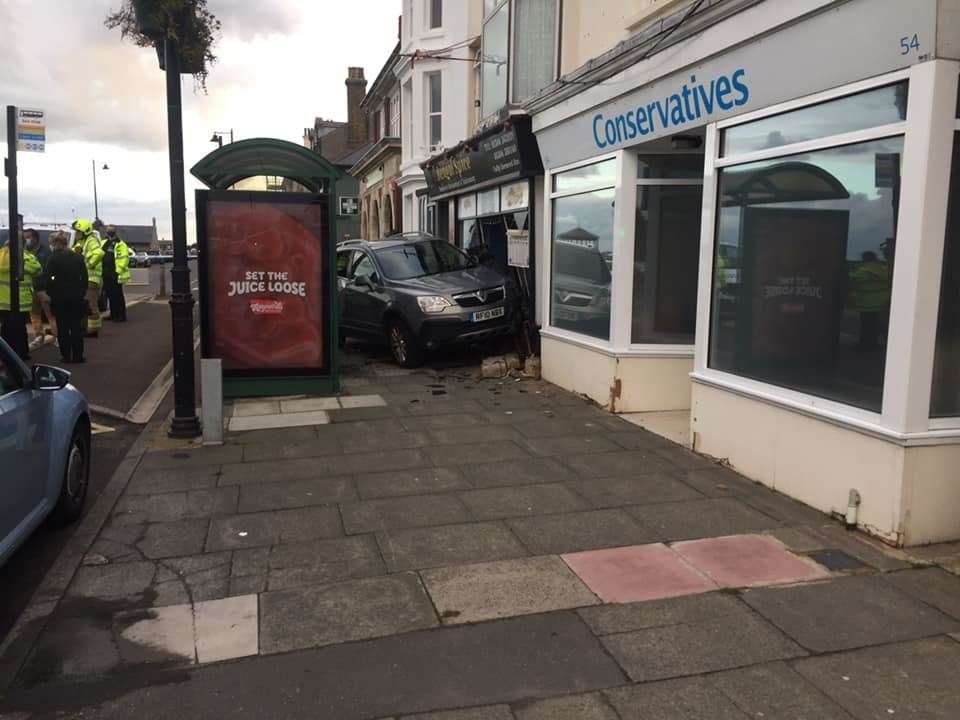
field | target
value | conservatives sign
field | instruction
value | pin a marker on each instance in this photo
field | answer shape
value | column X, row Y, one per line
column 691, row 102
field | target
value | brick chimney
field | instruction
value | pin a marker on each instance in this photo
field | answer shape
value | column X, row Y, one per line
column 356, row 91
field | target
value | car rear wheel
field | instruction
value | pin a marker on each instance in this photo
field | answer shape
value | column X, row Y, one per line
column 76, row 479
column 404, row 347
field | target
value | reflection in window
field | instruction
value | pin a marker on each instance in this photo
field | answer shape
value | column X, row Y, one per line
column 665, row 261
column 803, row 264
column 588, row 176
column 671, row 167
column 494, row 61
column 871, row 108
column 582, row 263
column 945, row 395
column 534, row 47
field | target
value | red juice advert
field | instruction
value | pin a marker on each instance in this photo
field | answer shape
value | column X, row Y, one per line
column 266, row 283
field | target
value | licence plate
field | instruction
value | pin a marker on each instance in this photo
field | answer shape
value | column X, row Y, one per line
column 482, row 315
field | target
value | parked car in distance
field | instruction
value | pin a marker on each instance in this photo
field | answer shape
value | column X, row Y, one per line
column 139, row 259
column 418, row 292
column 44, row 449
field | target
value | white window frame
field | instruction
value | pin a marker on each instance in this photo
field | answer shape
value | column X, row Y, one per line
column 651, row 349
column 428, row 25
column 546, row 287
column 483, row 24
column 904, row 414
column 429, row 114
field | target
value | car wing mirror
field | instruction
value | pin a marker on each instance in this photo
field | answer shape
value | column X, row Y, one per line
column 46, row 377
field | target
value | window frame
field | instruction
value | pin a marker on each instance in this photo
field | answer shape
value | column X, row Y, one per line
column 429, row 114
column 546, row 292
column 429, row 7
column 512, row 29
column 483, row 25
column 910, row 323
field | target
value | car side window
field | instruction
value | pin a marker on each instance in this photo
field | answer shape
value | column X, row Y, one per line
column 10, row 377
column 364, row 266
column 343, row 263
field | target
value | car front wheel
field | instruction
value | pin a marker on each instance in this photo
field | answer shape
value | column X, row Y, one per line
column 404, row 347
column 76, row 479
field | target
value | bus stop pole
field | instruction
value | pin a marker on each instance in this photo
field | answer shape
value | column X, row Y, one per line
column 185, row 423
column 14, row 325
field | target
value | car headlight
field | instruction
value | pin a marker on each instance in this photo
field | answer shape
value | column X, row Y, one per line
column 433, row 303
column 601, row 299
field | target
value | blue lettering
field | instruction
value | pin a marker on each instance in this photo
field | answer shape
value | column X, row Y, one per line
column 642, row 120
column 610, row 132
column 723, row 90
column 707, row 99
column 621, row 128
column 696, row 97
column 596, row 136
column 664, row 115
column 676, row 111
column 631, row 125
column 740, row 87
column 653, row 118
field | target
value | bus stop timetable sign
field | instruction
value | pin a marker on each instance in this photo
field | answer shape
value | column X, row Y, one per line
column 31, row 130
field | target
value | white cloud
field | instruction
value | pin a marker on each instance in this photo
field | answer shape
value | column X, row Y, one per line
column 280, row 64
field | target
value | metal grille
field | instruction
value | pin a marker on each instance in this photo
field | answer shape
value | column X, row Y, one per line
column 485, row 296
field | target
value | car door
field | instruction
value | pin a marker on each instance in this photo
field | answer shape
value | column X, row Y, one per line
column 23, row 455
column 345, row 261
column 368, row 302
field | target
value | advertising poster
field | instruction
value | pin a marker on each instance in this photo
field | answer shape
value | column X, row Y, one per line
column 266, row 272
column 795, row 265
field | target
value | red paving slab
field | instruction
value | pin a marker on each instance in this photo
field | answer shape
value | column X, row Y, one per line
column 639, row 572
column 747, row 560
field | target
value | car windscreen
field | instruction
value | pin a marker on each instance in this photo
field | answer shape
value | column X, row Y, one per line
column 427, row 257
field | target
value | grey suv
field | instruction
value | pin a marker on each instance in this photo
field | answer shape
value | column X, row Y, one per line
column 418, row 292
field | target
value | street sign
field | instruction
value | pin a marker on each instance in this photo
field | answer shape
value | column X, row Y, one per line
column 31, row 130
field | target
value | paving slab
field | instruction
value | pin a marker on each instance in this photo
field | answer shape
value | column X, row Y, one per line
column 349, row 416
column 780, row 507
column 530, row 416
column 343, row 612
column 481, row 452
column 371, row 427
column 571, row 532
column 632, row 438
column 643, row 489
column 776, row 692
column 626, row 617
column 192, row 578
column 714, row 517
column 246, row 408
column 113, row 581
column 294, row 493
column 182, row 459
column 358, row 443
column 272, row 528
column 306, row 405
column 799, row 539
column 932, row 585
column 156, row 635
column 321, row 561
column 150, row 482
column 281, row 436
column 583, row 444
column 226, row 629
column 422, row 481
column 55, row 655
column 593, row 706
column 640, row 572
column 748, row 561
column 848, row 612
column 172, row 506
column 282, row 420
column 904, row 680
column 613, row 464
column 720, row 482
column 259, row 472
column 488, row 712
column 507, row 502
column 455, row 435
column 419, row 548
column 699, row 647
column 368, row 400
column 434, row 422
column 686, row 699
column 527, row 471
column 403, row 512
column 684, row 459
column 506, row 588
column 444, row 407
column 554, row 427
column 151, row 541
column 313, row 448
column 855, row 543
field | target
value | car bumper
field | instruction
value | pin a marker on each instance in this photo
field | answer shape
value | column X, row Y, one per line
column 451, row 330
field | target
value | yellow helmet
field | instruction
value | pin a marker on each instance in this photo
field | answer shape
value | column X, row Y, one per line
column 83, row 226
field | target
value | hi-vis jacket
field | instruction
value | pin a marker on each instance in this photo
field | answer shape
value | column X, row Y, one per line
column 89, row 246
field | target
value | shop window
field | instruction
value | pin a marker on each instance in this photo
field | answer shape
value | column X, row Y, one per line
column 666, row 257
column 872, row 108
column 803, row 263
column 582, row 253
column 534, row 56
column 945, row 393
column 670, row 167
column 434, row 108
column 493, row 57
column 488, row 202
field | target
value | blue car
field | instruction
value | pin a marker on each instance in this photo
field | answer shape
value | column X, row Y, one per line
column 44, row 449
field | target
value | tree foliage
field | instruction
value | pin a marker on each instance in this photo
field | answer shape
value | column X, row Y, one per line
column 189, row 22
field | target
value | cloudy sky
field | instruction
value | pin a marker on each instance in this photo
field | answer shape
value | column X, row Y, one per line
column 281, row 63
